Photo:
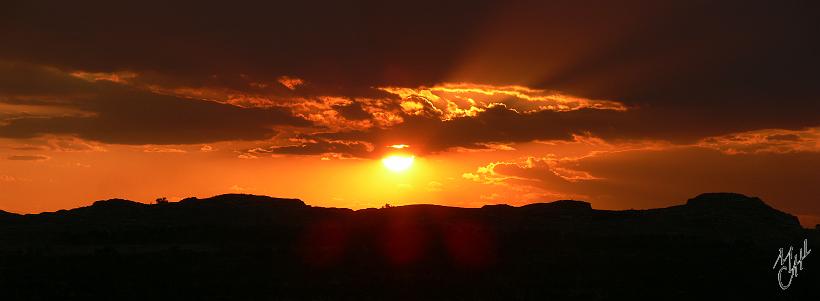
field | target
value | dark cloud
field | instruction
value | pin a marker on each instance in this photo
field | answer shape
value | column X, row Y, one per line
column 353, row 111
column 638, row 51
column 355, row 148
column 28, row 157
column 783, row 137
column 503, row 125
column 686, row 69
column 144, row 118
column 350, row 45
column 125, row 115
column 39, row 81
column 742, row 59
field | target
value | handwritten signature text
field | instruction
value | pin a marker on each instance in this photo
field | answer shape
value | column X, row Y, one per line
column 789, row 266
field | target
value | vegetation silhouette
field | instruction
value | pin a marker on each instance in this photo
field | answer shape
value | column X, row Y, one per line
column 248, row 247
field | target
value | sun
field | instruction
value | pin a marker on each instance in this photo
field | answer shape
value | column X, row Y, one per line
column 398, row 163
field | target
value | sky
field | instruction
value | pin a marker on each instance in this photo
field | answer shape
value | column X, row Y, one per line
column 624, row 104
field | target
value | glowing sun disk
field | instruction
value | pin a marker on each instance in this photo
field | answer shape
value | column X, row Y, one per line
column 398, row 163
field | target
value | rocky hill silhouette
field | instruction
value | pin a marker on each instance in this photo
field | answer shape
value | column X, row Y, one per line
column 237, row 247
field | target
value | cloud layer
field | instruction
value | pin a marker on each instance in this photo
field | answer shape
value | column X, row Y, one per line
column 648, row 73
column 114, row 113
column 645, row 178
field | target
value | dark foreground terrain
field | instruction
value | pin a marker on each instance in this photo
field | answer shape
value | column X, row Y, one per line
column 244, row 247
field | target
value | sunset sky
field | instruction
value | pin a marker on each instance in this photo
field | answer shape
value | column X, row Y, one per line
column 625, row 104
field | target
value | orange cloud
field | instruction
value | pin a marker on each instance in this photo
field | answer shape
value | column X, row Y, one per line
column 28, row 157
column 8, row 110
column 290, row 82
column 121, row 77
column 156, row 149
column 454, row 100
column 766, row 141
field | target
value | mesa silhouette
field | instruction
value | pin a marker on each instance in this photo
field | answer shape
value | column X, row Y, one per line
column 235, row 247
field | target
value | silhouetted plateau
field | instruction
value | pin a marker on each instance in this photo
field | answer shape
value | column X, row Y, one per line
column 246, row 247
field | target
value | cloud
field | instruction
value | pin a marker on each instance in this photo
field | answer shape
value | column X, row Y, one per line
column 502, row 125
column 352, row 111
column 645, row 178
column 767, row 140
column 59, row 144
column 290, row 82
column 265, row 39
column 452, row 100
column 125, row 115
column 72, row 144
column 325, row 147
column 434, row 186
column 154, row 149
column 28, row 157
column 490, row 197
column 114, row 112
column 652, row 55
column 235, row 73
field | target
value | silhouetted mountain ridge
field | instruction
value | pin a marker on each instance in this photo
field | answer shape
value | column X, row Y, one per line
column 243, row 200
column 708, row 209
column 561, row 206
column 116, row 203
column 239, row 246
column 5, row 214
